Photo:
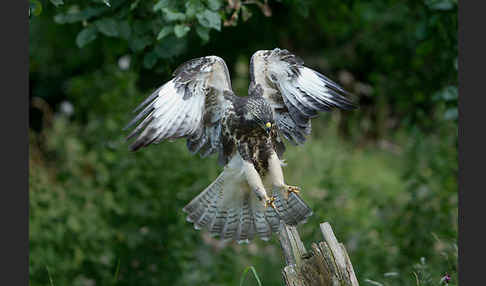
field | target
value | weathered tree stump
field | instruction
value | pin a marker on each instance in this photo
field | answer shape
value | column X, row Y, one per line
column 327, row 263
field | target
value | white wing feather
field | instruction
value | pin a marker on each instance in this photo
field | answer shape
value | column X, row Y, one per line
column 177, row 108
column 297, row 93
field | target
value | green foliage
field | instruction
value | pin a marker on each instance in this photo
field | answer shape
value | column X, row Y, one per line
column 243, row 276
column 35, row 7
column 57, row 2
column 384, row 176
column 142, row 24
column 86, row 36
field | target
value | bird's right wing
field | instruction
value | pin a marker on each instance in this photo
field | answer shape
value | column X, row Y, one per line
column 190, row 105
column 296, row 92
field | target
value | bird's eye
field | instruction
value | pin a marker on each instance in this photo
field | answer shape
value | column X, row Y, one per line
column 268, row 125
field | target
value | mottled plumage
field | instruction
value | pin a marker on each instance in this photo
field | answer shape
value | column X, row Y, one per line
column 246, row 132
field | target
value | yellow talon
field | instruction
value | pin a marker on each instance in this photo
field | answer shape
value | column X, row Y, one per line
column 291, row 189
column 270, row 202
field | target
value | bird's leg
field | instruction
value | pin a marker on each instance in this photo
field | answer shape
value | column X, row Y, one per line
column 276, row 175
column 255, row 182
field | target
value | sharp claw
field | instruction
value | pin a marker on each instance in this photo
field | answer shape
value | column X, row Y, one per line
column 291, row 189
column 294, row 189
column 270, row 202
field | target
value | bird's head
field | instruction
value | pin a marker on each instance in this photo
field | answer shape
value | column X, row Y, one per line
column 260, row 114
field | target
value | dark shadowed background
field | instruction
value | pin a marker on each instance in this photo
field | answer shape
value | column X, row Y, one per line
column 384, row 176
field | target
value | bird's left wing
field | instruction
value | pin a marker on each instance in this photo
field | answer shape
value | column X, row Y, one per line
column 296, row 92
column 190, row 105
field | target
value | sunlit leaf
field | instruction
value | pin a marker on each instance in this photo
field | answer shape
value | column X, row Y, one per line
column 161, row 4
column 181, row 30
column 210, row 19
column 441, row 4
column 35, row 7
column 57, row 2
column 193, row 8
column 134, row 4
column 86, row 36
column 164, row 32
column 73, row 17
column 108, row 27
column 245, row 13
column 203, row 33
column 173, row 16
column 214, row 4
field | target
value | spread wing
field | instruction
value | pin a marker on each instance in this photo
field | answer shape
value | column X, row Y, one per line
column 295, row 92
column 189, row 105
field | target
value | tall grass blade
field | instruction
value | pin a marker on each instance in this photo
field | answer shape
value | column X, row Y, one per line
column 243, row 276
column 117, row 271
column 51, row 283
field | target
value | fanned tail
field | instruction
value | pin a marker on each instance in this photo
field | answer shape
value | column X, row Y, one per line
column 230, row 210
column 203, row 209
column 293, row 210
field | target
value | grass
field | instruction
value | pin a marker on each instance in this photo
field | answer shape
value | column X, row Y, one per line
column 90, row 202
column 51, row 283
column 245, row 272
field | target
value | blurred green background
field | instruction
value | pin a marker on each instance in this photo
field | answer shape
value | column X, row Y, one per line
column 384, row 176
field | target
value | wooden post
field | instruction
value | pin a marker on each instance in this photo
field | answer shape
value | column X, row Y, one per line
column 327, row 263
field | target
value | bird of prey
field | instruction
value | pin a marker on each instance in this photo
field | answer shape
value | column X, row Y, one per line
column 250, row 197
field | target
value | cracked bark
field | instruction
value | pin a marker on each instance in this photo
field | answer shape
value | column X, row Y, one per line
column 327, row 263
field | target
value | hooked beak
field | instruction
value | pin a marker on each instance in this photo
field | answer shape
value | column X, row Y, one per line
column 268, row 127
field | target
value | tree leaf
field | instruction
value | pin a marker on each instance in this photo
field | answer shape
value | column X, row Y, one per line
column 57, row 2
column 173, row 16
column 135, row 4
column 203, row 33
column 86, row 36
column 150, row 59
column 35, row 7
column 181, row 30
column 108, row 27
column 164, row 32
column 193, row 8
column 139, row 43
column 82, row 15
column 214, row 4
column 107, row 3
column 171, row 47
column 161, row 4
column 210, row 19
column 125, row 30
column 443, row 5
column 245, row 13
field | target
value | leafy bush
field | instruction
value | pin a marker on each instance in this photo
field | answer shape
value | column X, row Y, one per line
column 384, row 176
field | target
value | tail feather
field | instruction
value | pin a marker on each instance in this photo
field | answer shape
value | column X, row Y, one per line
column 209, row 213
column 273, row 219
column 232, row 211
column 217, row 226
column 262, row 227
column 298, row 209
column 231, row 224
column 215, row 188
column 292, row 210
column 244, row 226
column 203, row 208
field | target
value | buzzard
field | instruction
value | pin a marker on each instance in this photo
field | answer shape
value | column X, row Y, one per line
column 250, row 197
